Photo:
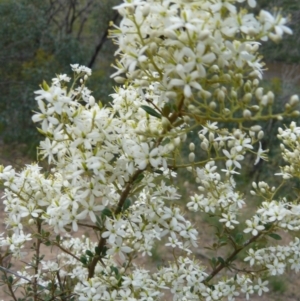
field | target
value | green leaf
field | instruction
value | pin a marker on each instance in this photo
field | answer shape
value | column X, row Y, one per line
column 99, row 221
column 221, row 260
column 89, row 253
column 83, row 259
column 139, row 178
column 239, row 238
column 115, row 270
column 166, row 110
column 126, row 204
column 103, row 251
column 45, row 86
column 151, row 111
column 158, row 171
column 97, row 250
column 106, row 212
column 275, row 236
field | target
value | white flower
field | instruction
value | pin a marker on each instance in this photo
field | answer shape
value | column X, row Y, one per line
column 253, row 226
column 261, row 154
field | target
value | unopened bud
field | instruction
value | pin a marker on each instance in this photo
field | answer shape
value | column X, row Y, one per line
column 177, row 141
column 271, row 97
column 259, row 93
column 294, row 100
column 233, row 94
column 255, row 128
column 254, row 108
column 145, row 9
column 165, row 123
column 260, row 135
column 221, row 96
column 91, row 100
column 247, row 113
column 264, row 100
column 204, row 145
column 212, row 105
column 192, row 157
column 120, row 79
column 204, row 34
column 247, row 98
column 192, row 146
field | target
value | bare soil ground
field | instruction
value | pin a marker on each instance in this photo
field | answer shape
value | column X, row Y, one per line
column 286, row 288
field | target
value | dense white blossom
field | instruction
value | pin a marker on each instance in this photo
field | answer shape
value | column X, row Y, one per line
column 185, row 66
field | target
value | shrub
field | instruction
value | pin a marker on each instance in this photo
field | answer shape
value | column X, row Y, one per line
column 185, row 66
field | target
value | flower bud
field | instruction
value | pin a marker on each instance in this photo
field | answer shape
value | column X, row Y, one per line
column 192, row 146
column 260, row 135
column 233, row 94
column 119, row 79
column 294, row 100
column 192, row 157
column 221, row 96
column 91, row 100
column 271, row 97
column 255, row 128
column 254, row 108
column 247, row 113
column 145, row 9
column 247, row 98
column 204, row 34
column 259, row 93
column 204, row 145
column 214, row 69
column 165, row 123
column 212, row 105
column 264, row 100
column 255, row 82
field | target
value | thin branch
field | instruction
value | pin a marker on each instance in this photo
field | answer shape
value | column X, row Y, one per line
column 101, row 42
column 221, row 266
column 102, row 241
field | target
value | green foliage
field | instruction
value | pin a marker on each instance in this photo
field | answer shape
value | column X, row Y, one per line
column 36, row 40
column 278, row 285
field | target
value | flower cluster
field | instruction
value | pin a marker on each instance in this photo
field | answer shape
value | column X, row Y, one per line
column 186, row 66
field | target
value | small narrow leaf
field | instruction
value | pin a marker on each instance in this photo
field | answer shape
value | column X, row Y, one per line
column 221, row 260
column 89, row 253
column 97, row 250
column 83, row 259
column 139, row 178
column 126, row 204
column 151, row 111
column 275, row 236
column 106, row 212
column 45, row 86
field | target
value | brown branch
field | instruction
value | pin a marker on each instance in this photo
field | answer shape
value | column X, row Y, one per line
column 102, row 41
column 66, row 251
column 37, row 259
column 221, row 266
column 102, row 241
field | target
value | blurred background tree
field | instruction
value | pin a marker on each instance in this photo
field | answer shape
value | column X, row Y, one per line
column 40, row 38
